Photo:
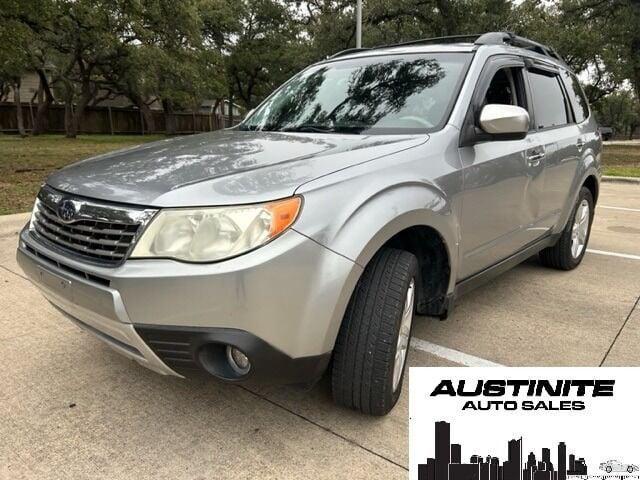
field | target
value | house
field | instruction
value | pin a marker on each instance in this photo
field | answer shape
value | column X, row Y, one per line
column 30, row 83
column 207, row 108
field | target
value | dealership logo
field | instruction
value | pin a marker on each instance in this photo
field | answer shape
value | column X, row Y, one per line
column 66, row 210
column 448, row 463
column 491, row 423
column 525, row 394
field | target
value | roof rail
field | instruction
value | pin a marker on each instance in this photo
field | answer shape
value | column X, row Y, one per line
column 424, row 41
column 509, row 38
column 348, row 51
column 490, row 38
column 450, row 39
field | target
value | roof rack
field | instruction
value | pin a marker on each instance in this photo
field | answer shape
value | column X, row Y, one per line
column 348, row 51
column 490, row 38
column 509, row 38
column 436, row 40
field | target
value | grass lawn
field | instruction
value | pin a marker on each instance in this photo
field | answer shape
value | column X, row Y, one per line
column 26, row 162
column 621, row 160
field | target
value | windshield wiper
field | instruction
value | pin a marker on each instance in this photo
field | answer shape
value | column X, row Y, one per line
column 324, row 128
column 247, row 127
column 308, row 128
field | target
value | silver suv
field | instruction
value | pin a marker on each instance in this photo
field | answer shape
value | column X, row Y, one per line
column 372, row 186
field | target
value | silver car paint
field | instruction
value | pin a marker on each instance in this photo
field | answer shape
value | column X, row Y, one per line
column 289, row 293
column 220, row 168
column 485, row 202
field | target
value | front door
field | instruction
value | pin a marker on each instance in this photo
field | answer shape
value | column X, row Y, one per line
column 497, row 176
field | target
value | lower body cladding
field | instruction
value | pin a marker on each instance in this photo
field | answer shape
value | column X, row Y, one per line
column 271, row 315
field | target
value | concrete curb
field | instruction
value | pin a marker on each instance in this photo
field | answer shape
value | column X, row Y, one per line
column 612, row 179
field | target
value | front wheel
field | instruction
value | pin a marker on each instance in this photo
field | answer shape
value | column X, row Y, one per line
column 630, row 469
column 371, row 349
column 608, row 469
column 570, row 248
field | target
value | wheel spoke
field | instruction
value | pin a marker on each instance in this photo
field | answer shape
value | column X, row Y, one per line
column 583, row 213
column 580, row 229
column 403, row 335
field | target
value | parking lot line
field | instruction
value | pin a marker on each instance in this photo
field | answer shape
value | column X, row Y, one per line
column 620, row 208
column 614, row 254
column 622, row 327
column 451, row 354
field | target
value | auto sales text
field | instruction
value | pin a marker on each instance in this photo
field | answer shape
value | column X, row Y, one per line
column 527, row 395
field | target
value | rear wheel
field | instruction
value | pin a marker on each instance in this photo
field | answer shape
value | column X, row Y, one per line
column 371, row 349
column 570, row 248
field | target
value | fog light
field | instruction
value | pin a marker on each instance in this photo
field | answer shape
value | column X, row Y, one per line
column 238, row 360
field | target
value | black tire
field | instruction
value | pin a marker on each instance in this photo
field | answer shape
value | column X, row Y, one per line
column 608, row 469
column 364, row 354
column 559, row 256
column 630, row 469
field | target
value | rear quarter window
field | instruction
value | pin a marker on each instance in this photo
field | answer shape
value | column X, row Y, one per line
column 577, row 97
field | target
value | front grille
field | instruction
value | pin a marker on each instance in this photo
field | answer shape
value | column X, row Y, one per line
column 105, row 241
column 98, row 232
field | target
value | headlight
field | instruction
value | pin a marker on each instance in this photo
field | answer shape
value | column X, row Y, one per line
column 210, row 234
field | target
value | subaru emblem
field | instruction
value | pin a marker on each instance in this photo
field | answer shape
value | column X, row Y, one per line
column 66, row 210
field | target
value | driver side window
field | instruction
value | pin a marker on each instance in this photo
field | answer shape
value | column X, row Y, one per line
column 507, row 88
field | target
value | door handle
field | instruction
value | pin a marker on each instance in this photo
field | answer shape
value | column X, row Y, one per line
column 580, row 144
column 533, row 158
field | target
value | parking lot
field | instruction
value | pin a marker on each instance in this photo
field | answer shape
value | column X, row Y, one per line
column 72, row 408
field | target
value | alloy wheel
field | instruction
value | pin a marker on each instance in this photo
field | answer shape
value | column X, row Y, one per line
column 580, row 229
column 403, row 336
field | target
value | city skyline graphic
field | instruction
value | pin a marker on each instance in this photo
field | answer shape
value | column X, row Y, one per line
column 447, row 463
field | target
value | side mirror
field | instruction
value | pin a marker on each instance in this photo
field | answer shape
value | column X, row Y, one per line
column 504, row 122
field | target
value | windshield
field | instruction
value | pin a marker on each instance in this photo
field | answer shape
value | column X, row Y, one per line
column 372, row 95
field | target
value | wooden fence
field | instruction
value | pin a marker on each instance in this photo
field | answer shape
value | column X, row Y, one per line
column 113, row 120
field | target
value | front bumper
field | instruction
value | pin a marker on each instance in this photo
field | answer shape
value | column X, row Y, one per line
column 281, row 305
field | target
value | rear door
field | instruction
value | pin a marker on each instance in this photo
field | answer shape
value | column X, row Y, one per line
column 559, row 137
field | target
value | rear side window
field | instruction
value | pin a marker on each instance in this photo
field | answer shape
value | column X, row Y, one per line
column 549, row 104
column 576, row 97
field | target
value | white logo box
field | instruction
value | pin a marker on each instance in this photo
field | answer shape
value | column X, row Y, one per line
column 589, row 413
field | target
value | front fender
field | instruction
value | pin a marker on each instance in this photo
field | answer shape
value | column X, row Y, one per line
column 362, row 218
column 355, row 211
column 358, row 224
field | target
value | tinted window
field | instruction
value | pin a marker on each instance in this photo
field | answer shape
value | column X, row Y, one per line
column 576, row 96
column 548, row 100
column 506, row 88
column 386, row 94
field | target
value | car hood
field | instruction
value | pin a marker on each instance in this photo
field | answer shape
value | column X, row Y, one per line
column 221, row 168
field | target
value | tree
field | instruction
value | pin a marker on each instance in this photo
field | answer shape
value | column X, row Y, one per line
column 265, row 52
column 171, row 60
column 331, row 24
column 14, row 61
column 89, row 35
column 179, row 53
column 619, row 111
